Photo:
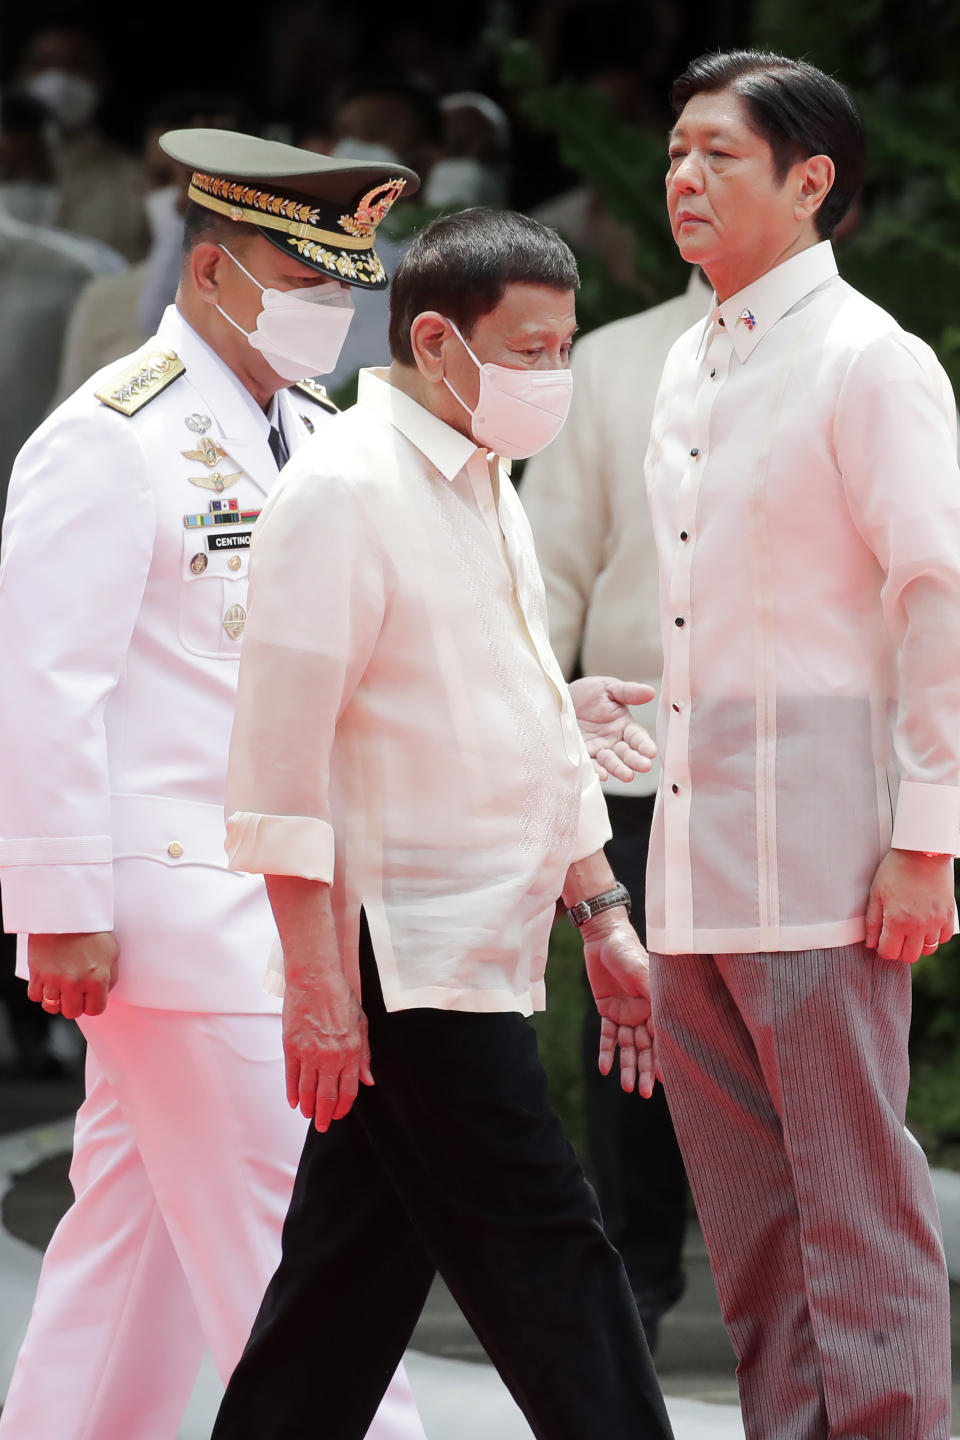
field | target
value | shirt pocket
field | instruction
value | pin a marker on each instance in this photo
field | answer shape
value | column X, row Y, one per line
column 213, row 591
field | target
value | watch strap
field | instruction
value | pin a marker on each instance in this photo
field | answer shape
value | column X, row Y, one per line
column 584, row 910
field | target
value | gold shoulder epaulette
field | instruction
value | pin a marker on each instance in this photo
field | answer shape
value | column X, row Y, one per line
column 130, row 389
column 318, row 393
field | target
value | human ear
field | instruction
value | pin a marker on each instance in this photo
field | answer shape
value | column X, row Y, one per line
column 816, row 177
column 203, row 265
column 427, row 334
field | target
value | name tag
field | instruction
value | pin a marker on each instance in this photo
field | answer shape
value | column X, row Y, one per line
column 229, row 540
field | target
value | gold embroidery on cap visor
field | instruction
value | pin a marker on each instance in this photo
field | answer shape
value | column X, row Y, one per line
column 299, row 222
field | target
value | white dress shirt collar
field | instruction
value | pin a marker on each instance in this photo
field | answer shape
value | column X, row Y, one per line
column 232, row 404
column 749, row 314
column 443, row 446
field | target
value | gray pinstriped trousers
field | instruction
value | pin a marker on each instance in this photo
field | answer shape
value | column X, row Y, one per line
column 786, row 1075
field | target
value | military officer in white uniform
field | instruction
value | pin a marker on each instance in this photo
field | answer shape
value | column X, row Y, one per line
column 122, row 602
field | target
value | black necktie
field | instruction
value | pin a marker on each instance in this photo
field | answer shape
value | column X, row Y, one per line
column 278, row 446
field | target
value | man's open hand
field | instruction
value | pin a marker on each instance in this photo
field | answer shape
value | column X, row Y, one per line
column 619, row 975
column 616, row 744
column 72, row 975
column 326, row 1048
column 911, row 906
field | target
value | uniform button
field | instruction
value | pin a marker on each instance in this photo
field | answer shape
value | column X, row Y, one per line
column 713, row 374
column 174, row 849
column 684, row 535
column 234, row 562
column 679, row 622
column 675, row 789
column 676, row 707
column 695, row 452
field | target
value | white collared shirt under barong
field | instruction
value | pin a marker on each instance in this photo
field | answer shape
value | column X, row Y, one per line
column 403, row 730
column 810, row 712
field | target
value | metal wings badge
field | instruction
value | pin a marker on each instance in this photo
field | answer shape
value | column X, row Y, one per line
column 216, row 481
column 208, row 453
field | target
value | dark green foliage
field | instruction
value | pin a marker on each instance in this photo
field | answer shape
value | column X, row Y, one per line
column 933, row 1110
column 558, row 1030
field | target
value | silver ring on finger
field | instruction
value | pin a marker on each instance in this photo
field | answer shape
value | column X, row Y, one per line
column 930, row 949
column 50, row 1002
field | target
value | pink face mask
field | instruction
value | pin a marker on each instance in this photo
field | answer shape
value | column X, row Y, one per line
column 518, row 411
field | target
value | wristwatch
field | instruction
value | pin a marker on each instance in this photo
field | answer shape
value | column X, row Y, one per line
column 584, row 910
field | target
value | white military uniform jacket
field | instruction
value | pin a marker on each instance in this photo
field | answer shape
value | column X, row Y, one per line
column 120, row 632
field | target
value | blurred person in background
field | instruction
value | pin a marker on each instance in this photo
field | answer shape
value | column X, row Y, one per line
column 384, row 120
column 474, row 168
column 115, row 314
column 42, row 272
column 28, row 187
column 98, row 184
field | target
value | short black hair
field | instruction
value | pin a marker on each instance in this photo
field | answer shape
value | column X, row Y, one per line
column 204, row 226
column 462, row 264
column 797, row 109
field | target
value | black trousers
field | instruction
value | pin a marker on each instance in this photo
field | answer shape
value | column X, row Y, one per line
column 452, row 1161
column 636, row 1161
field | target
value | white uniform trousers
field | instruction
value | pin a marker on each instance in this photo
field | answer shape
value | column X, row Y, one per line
column 786, row 1075
column 184, row 1157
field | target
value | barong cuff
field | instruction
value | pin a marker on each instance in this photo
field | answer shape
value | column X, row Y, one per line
column 927, row 818
column 594, row 829
column 280, row 845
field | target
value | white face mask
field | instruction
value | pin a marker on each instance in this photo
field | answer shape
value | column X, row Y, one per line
column 464, row 181
column 299, row 333
column 72, row 98
column 518, row 411
column 32, row 201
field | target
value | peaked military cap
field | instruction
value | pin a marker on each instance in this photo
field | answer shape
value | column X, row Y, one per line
column 324, row 212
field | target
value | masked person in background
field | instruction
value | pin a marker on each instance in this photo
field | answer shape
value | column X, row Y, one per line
column 377, row 118
column 474, row 168
column 121, row 644
column 42, row 272
column 98, row 184
column 114, row 315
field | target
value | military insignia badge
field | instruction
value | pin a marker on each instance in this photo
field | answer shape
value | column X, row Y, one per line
column 208, row 453
column 137, row 384
column 199, row 563
column 221, row 512
column 234, row 621
column 317, row 393
column 372, row 209
column 309, row 424
column 216, row 481
column 199, row 424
